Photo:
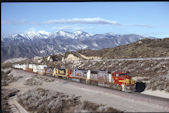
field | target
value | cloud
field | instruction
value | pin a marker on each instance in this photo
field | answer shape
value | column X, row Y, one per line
column 82, row 21
column 71, row 27
column 96, row 20
column 67, row 21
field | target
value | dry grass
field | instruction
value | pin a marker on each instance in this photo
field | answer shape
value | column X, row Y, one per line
column 43, row 101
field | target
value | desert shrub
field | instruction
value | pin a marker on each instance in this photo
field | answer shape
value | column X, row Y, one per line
column 167, row 89
column 32, row 82
column 8, row 78
column 158, row 83
column 42, row 101
column 153, row 88
column 160, row 87
column 90, row 106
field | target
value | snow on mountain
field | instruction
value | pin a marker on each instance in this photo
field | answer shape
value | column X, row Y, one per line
column 80, row 34
column 63, row 34
column 31, row 35
column 43, row 34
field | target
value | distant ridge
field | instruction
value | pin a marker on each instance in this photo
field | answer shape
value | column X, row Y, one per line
column 140, row 49
column 43, row 43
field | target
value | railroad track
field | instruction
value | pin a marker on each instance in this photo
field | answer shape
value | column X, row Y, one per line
column 107, row 88
column 122, row 59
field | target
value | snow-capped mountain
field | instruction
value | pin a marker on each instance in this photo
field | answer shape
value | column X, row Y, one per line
column 31, row 35
column 75, row 35
column 44, row 34
column 80, row 34
column 42, row 43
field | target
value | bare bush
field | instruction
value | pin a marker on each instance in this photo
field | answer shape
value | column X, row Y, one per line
column 8, row 78
column 43, row 101
column 45, row 78
column 32, row 82
column 167, row 89
column 158, row 83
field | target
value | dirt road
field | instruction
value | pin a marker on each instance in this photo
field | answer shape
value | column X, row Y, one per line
column 129, row 102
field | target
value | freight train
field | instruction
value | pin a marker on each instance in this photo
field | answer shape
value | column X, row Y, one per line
column 115, row 80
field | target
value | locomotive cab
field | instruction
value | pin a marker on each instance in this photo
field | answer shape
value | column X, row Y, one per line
column 124, row 80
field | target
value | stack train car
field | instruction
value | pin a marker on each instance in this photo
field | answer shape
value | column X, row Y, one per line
column 116, row 80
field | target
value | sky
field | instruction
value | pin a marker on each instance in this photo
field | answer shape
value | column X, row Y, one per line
column 142, row 18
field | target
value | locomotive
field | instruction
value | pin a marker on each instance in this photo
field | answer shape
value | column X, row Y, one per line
column 116, row 80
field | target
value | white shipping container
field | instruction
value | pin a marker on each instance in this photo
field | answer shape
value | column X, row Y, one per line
column 35, row 66
column 79, row 73
column 16, row 66
column 88, row 74
column 19, row 66
column 42, row 66
column 31, row 66
column 25, row 66
column 35, row 70
column 41, row 70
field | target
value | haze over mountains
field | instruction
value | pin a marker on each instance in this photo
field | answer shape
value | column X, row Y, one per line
column 43, row 43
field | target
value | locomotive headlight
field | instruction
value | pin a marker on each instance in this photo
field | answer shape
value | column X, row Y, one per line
column 132, row 81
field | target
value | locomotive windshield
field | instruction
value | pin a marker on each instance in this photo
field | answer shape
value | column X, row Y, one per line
column 123, row 74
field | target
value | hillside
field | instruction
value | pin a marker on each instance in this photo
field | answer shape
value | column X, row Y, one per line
column 139, row 49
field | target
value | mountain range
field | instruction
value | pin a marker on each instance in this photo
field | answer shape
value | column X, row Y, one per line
column 31, row 44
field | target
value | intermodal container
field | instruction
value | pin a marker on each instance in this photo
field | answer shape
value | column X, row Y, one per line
column 79, row 74
column 49, row 71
